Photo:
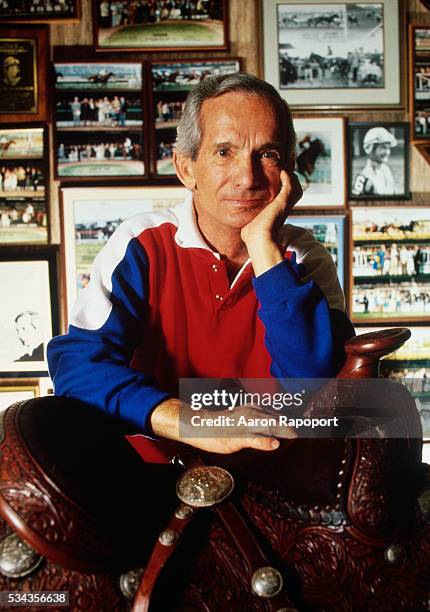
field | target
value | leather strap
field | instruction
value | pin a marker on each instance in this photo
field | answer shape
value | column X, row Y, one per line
column 160, row 556
column 239, row 532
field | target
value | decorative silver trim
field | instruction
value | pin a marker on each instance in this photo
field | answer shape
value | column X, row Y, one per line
column 129, row 583
column 17, row 560
column 168, row 537
column 266, row 582
column 205, row 486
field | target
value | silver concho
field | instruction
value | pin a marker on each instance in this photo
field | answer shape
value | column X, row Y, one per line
column 266, row 582
column 183, row 512
column 16, row 558
column 168, row 537
column 129, row 583
column 395, row 554
column 202, row 487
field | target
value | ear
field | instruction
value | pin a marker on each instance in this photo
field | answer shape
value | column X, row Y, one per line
column 184, row 169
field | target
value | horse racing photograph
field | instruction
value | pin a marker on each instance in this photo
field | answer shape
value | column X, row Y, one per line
column 163, row 25
column 331, row 46
column 320, row 159
column 98, row 76
column 21, row 143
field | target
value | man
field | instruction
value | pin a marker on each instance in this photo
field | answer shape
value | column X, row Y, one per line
column 11, row 71
column 27, row 326
column 176, row 293
column 376, row 177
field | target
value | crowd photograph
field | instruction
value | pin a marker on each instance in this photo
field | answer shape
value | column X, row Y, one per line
column 391, row 260
column 23, row 220
column 106, row 153
column 331, row 46
column 114, row 111
column 145, row 23
column 168, row 113
column 38, row 8
column 395, row 301
column 21, row 180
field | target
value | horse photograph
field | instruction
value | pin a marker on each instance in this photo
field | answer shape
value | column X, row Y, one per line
column 101, row 76
column 21, row 143
column 331, row 46
column 319, row 161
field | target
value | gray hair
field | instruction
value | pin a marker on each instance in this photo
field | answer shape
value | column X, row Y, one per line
column 189, row 130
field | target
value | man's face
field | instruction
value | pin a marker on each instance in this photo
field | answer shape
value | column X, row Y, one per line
column 380, row 153
column 26, row 330
column 236, row 173
column 12, row 71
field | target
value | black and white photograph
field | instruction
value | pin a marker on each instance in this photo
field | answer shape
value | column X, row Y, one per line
column 171, row 83
column 91, row 215
column 39, row 11
column 342, row 49
column 331, row 46
column 147, row 25
column 29, row 312
column 378, row 161
column 320, row 161
column 330, row 231
column 390, row 263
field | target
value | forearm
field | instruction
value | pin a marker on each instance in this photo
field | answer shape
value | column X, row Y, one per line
column 264, row 254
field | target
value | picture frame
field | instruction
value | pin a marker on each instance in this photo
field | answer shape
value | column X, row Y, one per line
column 17, row 390
column 410, row 365
column 99, row 120
column 170, row 83
column 390, row 265
column 24, row 180
column 320, row 161
column 347, row 50
column 23, row 61
column 88, row 218
column 378, row 161
column 330, row 231
column 57, row 11
column 151, row 27
column 29, row 312
column 419, row 81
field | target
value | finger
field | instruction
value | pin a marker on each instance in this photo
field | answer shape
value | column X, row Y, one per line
column 263, row 443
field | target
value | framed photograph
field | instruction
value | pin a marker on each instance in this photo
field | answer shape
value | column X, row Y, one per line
column 46, row 386
column 330, row 231
column 390, row 264
column 23, row 62
column 320, row 161
column 23, row 186
column 99, row 120
column 171, row 82
column 419, row 84
column 17, row 390
column 90, row 216
column 410, row 364
column 29, row 310
column 347, row 50
column 160, row 26
column 378, row 161
column 40, row 11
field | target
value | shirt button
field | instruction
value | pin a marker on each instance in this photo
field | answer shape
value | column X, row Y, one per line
column 215, row 268
column 218, row 297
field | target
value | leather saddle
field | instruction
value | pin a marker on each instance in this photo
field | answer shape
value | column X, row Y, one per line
column 343, row 520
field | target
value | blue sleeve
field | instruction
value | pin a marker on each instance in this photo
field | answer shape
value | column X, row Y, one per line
column 304, row 337
column 91, row 363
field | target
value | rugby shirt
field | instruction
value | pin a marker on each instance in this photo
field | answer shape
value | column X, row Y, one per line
column 159, row 306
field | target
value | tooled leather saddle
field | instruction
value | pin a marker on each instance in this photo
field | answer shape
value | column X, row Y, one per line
column 340, row 523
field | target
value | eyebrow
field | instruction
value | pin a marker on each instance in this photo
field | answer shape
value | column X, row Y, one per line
column 266, row 145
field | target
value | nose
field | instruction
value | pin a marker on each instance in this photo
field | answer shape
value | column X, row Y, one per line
column 247, row 172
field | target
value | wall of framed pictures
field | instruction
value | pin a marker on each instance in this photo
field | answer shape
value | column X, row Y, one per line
column 94, row 145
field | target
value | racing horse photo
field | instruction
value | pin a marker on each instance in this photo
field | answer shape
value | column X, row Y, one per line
column 310, row 150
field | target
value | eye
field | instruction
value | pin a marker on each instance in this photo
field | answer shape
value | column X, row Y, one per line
column 222, row 152
column 272, row 156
